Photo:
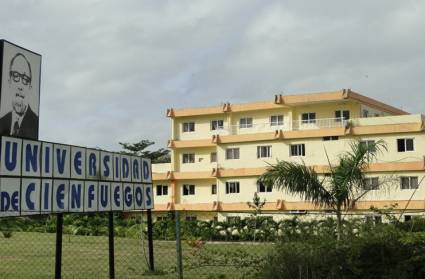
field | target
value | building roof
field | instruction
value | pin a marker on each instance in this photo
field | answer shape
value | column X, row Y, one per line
column 282, row 101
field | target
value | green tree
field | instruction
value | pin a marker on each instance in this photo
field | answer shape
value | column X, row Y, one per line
column 161, row 155
column 256, row 205
column 338, row 191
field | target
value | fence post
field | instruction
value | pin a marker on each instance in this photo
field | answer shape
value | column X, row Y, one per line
column 150, row 241
column 111, row 245
column 179, row 246
column 58, row 259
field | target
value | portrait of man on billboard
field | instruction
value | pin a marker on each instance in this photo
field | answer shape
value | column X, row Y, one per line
column 19, row 105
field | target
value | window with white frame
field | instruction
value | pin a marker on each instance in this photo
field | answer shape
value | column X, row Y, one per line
column 297, row 149
column 308, row 117
column 232, row 187
column 342, row 115
column 264, row 151
column 161, row 190
column 188, row 158
column 214, row 189
column 188, row 189
column 276, row 120
column 408, row 182
column 217, row 125
column 245, row 122
column 261, row 188
column 213, row 157
column 404, row 145
column 188, row 127
column 371, row 183
column 232, row 153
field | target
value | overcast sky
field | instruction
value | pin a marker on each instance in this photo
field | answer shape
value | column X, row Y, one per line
column 112, row 68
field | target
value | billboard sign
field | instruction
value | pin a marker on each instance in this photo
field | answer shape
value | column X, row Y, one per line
column 19, row 91
column 39, row 177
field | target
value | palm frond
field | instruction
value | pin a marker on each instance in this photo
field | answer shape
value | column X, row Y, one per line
column 297, row 179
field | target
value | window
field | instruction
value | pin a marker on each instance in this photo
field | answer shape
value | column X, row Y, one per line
column 245, row 122
column 409, row 182
column 365, row 113
column 263, row 188
column 213, row 157
column 232, row 153
column 308, row 117
column 374, row 219
column 371, row 183
column 232, row 187
column 161, row 218
column 404, row 145
column 214, row 189
column 407, row 218
column 188, row 189
column 217, row 125
column 188, row 127
column 191, row 218
column 342, row 114
column 330, row 138
column 161, row 190
column 264, row 151
column 188, row 158
column 276, row 120
column 297, row 149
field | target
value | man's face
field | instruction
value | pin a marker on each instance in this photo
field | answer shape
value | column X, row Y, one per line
column 20, row 84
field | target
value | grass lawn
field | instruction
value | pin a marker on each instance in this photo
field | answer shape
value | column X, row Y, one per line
column 32, row 255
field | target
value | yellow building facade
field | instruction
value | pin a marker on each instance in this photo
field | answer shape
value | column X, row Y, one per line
column 218, row 153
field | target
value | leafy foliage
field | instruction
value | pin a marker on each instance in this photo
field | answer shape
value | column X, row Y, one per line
column 139, row 148
column 340, row 191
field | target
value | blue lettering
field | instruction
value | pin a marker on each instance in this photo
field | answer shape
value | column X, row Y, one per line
column 125, row 168
column 148, row 196
column 146, row 172
column 10, row 162
column 47, row 159
column 30, row 189
column 60, row 196
column 117, row 196
column 77, row 162
column 5, row 201
column 91, row 196
column 104, row 195
column 61, row 160
column 76, row 195
column 136, row 169
column 105, row 164
column 138, row 196
column 46, row 195
column 92, row 164
column 31, row 157
column 128, row 196
column 15, row 201
column 117, row 167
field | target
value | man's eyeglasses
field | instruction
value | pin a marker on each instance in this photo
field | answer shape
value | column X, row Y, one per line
column 16, row 76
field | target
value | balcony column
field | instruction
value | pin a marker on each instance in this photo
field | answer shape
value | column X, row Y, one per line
column 173, row 185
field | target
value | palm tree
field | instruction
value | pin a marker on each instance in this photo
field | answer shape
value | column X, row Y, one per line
column 339, row 190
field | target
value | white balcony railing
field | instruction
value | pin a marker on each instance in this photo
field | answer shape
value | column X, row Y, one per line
column 295, row 125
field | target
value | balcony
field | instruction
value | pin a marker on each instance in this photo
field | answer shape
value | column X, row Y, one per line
column 295, row 125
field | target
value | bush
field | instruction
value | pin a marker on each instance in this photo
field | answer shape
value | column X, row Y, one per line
column 381, row 252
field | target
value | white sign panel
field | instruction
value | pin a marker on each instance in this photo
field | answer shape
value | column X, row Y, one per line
column 41, row 178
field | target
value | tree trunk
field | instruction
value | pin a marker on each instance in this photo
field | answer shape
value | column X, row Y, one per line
column 338, row 223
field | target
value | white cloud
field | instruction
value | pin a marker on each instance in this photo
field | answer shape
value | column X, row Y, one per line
column 110, row 69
